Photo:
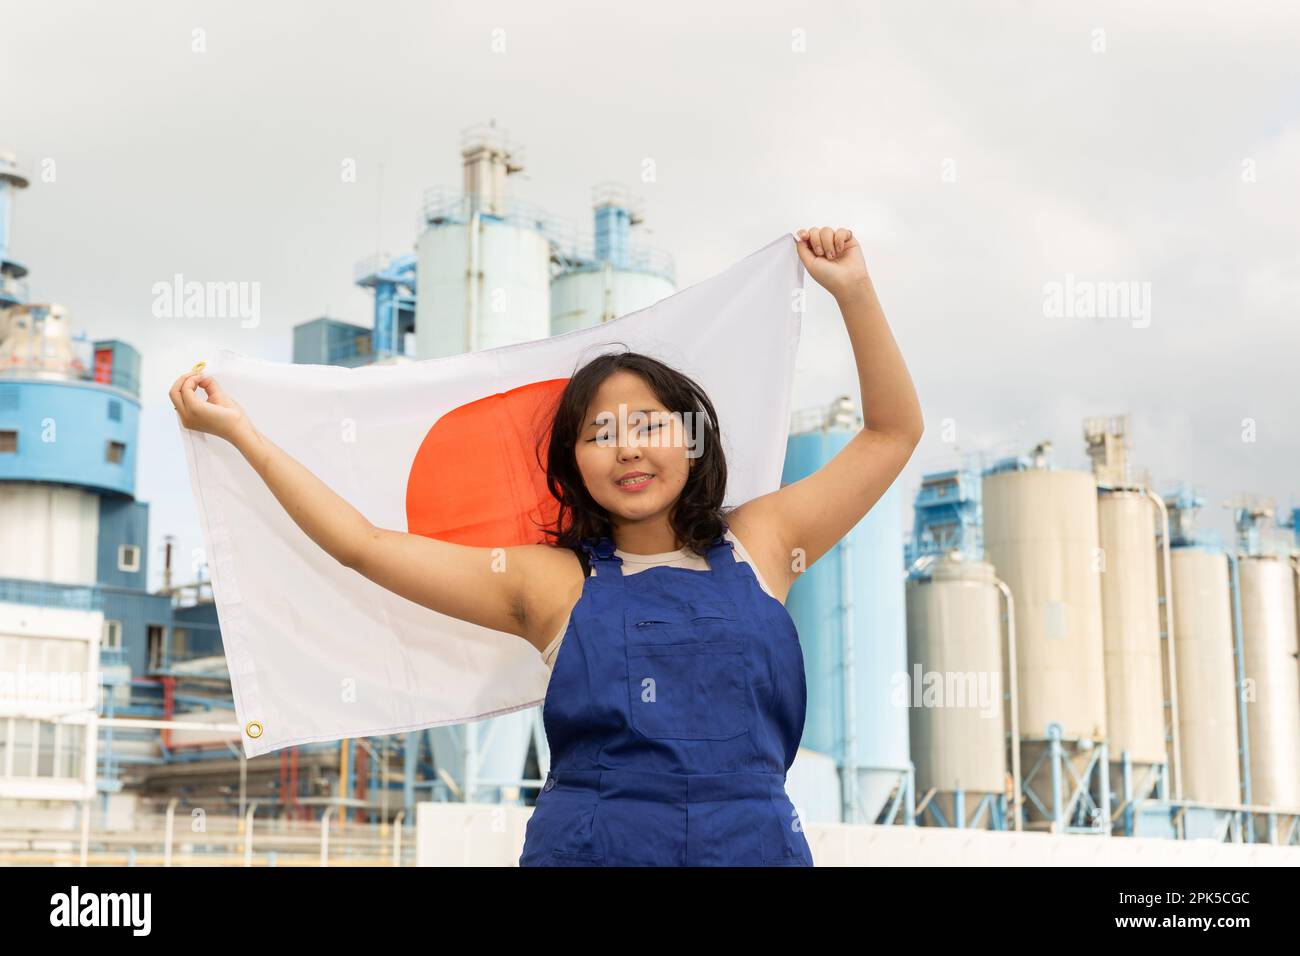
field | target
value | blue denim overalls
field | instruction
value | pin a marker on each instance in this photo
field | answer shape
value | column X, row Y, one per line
column 674, row 709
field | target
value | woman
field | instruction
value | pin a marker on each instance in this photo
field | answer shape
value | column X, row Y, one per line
column 677, row 699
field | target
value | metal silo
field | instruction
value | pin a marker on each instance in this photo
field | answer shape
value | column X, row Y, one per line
column 1205, row 639
column 956, row 708
column 1040, row 533
column 1131, row 627
column 849, row 609
column 1131, row 618
column 484, row 760
column 1272, row 679
column 610, row 277
column 483, row 261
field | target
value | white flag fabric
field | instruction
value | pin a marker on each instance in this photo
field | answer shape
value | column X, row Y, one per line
column 317, row 652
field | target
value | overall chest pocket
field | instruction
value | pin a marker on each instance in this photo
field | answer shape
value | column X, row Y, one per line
column 685, row 689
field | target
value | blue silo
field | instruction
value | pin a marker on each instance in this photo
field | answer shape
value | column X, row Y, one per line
column 852, row 599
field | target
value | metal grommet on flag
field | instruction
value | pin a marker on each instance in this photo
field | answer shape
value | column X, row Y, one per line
column 253, row 728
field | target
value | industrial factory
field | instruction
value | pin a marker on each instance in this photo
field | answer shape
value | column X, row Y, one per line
column 1054, row 664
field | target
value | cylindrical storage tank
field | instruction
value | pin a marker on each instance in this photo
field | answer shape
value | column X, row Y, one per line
column 870, row 556
column 587, row 297
column 500, row 747
column 1130, row 606
column 506, row 300
column 1040, row 533
column 48, row 533
column 813, row 784
column 1207, row 702
column 1268, row 621
column 68, row 432
column 954, row 687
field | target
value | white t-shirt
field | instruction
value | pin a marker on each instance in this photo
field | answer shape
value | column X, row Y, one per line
column 681, row 558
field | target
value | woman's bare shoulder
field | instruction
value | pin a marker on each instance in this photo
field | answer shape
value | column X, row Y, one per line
column 759, row 538
column 553, row 580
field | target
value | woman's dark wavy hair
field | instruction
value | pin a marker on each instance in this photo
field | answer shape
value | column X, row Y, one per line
column 697, row 518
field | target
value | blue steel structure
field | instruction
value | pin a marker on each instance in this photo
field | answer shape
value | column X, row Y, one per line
column 614, row 223
column 394, row 285
column 947, row 515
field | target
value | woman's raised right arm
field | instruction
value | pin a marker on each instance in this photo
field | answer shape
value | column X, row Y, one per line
column 507, row 589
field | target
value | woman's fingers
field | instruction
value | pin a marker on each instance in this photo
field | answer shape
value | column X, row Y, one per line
column 814, row 240
column 178, row 401
column 183, row 398
column 828, row 241
column 842, row 237
column 188, row 398
column 822, row 240
column 215, row 392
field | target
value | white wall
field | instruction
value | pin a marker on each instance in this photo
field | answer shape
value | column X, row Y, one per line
column 455, row 834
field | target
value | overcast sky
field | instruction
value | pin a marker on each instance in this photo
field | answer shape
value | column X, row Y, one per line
column 981, row 151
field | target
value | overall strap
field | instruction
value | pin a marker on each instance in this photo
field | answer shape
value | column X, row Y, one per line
column 608, row 565
column 721, row 560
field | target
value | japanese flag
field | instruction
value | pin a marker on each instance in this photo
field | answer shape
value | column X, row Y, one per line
column 446, row 448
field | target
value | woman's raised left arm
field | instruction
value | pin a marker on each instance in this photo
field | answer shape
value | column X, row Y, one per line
column 802, row 521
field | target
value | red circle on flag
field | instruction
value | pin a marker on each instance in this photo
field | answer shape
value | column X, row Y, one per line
column 476, row 479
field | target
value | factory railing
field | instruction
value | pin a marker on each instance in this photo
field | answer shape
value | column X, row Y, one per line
column 34, row 363
column 71, row 596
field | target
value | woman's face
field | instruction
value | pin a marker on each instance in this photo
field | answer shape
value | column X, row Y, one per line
column 627, row 430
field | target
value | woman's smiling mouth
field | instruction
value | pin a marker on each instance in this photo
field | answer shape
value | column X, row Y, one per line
column 635, row 483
